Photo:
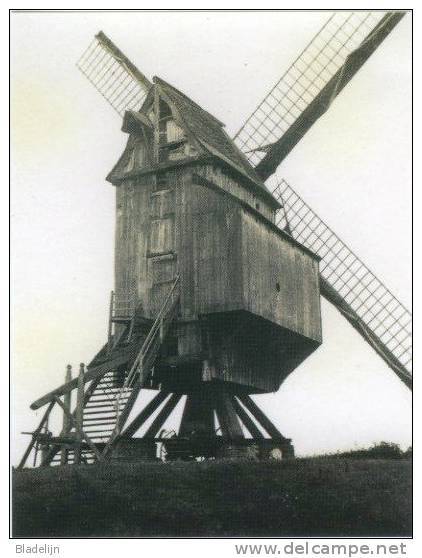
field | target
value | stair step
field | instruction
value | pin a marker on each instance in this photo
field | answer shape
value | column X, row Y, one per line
column 109, row 401
column 97, row 420
column 104, row 408
column 108, row 393
column 98, row 412
column 88, row 427
column 101, row 434
column 98, row 427
column 104, row 385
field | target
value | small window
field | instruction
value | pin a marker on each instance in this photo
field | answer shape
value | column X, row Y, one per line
column 162, row 181
column 257, row 206
column 277, row 287
column 165, row 111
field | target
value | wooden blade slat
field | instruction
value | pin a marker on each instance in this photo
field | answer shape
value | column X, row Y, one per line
column 115, row 77
column 309, row 86
column 348, row 283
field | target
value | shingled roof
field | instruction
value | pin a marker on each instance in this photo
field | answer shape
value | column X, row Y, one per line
column 211, row 134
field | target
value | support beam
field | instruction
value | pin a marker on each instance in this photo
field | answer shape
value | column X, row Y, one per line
column 247, row 421
column 263, row 420
column 49, row 456
column 143, row 416
column 198, row 415
column 67, row 401
column 162, row 416
column 122, row 418
column 79, row 417
column 110, row 323
column 124, row 415
column 227, row 417
column 122, row 357
column 35, row 434
column 83, row 436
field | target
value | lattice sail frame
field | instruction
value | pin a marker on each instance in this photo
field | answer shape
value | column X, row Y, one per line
column 321, row 59
column 119, row 81
column 358, row 293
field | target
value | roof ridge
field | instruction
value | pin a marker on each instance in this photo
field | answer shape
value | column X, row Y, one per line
column 161, row 81
column 211, row 135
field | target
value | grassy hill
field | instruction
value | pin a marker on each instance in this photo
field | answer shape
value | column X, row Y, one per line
column 308, row 497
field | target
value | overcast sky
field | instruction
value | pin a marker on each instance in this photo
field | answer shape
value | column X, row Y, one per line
column 353, row 167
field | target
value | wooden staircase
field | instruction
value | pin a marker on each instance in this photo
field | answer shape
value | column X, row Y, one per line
column 109, row 397
column 141, row 371
column 108, row 406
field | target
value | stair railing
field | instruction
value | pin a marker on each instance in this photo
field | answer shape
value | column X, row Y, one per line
column 157, row 331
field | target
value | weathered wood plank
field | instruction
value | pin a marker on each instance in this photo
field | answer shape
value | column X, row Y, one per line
column 67, row 425
column 162, row 416
column 246, row 419
column 227, row 417
column 83, row 434
column 261, row 418
column 35, row 434
column 92, row 374
column 139, row 420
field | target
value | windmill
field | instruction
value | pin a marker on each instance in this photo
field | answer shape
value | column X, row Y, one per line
column 217, row 275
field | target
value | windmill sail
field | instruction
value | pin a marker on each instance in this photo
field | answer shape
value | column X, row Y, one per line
column 310, row 85
column 113, row 75
column 349, row 285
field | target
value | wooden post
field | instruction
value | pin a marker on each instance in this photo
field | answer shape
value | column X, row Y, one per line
column 143, row 416
column 246, row 419
column 230, row 425
column 162, row 416
column 35, row 434
column 156, row 128
column 198, row 415
column 79, row 415
column 84, row 435
column 263, row 420
column 67, row 400
column 44, row 450
column 110, row 323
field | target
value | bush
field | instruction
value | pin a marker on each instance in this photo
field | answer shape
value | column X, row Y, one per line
column 382, row 450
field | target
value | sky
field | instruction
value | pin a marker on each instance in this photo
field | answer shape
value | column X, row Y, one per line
column 353, row 167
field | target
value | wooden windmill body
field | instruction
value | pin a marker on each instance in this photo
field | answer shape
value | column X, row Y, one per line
column 217, row 278
column 190, row 206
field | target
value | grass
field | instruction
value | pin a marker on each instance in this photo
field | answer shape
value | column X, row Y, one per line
column 302, row 497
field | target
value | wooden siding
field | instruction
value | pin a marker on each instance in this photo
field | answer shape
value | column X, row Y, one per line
column 131, row 241
column 251, row 352
column 173, row 131
column 144, row 234
column 228, row 184
column 280, row 280
column 249, row 308
column 237, row 261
